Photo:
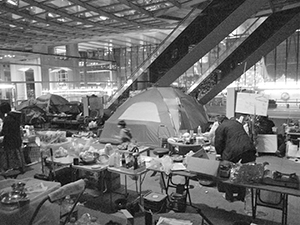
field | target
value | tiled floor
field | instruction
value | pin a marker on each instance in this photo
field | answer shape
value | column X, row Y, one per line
column 215, row 207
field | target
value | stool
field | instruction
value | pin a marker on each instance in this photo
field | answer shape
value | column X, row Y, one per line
column 160, row 152
column 10, row 174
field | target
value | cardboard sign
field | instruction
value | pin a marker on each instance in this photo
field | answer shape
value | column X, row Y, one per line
column 253, row 104
column 203, row 164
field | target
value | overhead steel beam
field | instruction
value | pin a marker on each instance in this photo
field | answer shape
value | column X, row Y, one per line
column 67, row 15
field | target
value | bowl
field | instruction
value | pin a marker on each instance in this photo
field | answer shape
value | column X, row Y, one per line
column 14, row 198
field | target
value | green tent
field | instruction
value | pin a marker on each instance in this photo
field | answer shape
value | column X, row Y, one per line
column 156, row 113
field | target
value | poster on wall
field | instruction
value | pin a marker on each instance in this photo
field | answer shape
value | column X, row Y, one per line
column 253, row 104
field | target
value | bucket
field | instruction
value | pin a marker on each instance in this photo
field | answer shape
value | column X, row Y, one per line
column 178, row 202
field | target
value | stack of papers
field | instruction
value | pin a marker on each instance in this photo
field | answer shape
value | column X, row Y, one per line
column 170, row 221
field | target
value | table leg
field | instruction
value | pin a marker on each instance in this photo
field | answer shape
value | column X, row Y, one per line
column 126, row 186
column 285, row 209
column 100, row 185
column 110, row 192
column 253, row 202
column 187, row 183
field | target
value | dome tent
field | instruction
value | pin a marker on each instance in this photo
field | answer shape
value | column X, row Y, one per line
column 51, row 102
column 155, row 113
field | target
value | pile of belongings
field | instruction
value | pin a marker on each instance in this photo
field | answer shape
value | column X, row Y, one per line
column 247, row 172
column 276, row 178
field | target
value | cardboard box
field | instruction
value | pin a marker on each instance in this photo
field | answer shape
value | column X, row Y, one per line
column 203, row 163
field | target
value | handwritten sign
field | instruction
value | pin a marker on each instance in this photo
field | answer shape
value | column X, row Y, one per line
column 250, row 103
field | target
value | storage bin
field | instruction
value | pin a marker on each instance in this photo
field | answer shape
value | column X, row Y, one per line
column 156, row 202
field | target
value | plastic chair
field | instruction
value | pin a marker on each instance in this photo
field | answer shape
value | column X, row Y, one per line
column 74, row 188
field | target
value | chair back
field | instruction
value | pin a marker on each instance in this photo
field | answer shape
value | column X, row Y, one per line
column 75, row 188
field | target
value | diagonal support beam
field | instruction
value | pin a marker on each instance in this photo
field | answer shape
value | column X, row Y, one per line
column 270, row 34
column 244, row 10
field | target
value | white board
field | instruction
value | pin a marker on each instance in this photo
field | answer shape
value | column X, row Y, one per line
column 250, row 103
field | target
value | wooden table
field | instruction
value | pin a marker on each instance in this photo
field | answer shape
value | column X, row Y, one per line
column 12, row 215
column 257, row 187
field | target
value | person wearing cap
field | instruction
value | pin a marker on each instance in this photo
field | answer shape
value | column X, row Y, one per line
column 125, row 133
column 12, row 140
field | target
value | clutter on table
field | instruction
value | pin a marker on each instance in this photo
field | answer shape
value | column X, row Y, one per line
column 247, row 172
column 29, row 134
column 277, row 178
column 127, row 156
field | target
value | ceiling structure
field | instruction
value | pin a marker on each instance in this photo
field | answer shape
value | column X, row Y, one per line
column 97, row 24
column 93, row 24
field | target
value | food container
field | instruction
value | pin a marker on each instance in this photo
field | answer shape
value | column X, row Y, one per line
column 14, row 198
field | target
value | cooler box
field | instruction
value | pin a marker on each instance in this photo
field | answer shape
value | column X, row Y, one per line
column 156, row 202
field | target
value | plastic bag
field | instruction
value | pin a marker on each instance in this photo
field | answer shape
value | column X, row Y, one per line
column 167, row 164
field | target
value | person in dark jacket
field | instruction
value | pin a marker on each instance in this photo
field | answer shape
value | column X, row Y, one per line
column 12, row 140
column 125, row 133
column 234, row 145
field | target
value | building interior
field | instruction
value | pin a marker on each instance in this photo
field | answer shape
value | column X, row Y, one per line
column 76, row 48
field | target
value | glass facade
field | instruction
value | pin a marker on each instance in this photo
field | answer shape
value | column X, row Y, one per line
column 103, row 72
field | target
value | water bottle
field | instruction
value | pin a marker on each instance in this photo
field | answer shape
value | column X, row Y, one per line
column 117, row 159
column 199, row 131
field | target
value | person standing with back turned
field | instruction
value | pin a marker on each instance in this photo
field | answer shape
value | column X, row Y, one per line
column 12, row 141
column 234, row 145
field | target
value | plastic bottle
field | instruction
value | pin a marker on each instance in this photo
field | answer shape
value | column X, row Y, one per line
column 199, row 131
column 111, row 160
column 117, row 159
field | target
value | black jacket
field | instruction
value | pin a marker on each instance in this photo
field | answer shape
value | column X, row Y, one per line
column 11, row 131
column 231, row 141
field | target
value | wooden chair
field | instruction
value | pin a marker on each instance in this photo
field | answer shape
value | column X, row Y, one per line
column 76, row 188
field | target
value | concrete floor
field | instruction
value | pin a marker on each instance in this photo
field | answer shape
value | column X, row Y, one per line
column 212, row 203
